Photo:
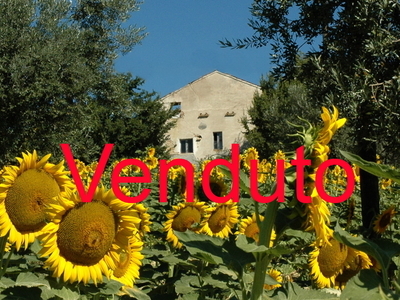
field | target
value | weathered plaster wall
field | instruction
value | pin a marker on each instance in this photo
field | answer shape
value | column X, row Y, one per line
column 216, row 95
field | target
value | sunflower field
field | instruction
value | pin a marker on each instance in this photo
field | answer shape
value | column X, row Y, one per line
column 55, row 246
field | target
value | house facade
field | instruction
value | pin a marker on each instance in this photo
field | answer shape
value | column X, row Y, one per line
column 208, row 114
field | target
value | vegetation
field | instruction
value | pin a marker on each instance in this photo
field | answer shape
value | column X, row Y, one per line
column 58, row 83
column 355, row 67
column 54, row 246
column 273, row 113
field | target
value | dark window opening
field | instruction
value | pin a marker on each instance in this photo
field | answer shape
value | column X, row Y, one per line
column 186, row 145
column 218, row 145
column 176, row 108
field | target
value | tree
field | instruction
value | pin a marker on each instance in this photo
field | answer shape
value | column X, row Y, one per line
column 57, row 76
column 355, row 68
column 129, row 117
column 272, row 115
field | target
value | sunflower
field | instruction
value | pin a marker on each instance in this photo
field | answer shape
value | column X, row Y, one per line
column 356, row 172
column 319, row 154
column 376, row 266
column 223, row 217
column 151, row 152
column 327, row 261
column 215, row 172
column 140, row 212
column 386, row 183
column 337, row 171
column 184, row 216
column 331, row 125
column 280, row 156
column 383, row 221
column 86, row 171
column 177, row 177
column 85, row 240
column 151, row 162
column 249, row 155
column 24, row 192
column 175, row 172
column 318, row 219
column 217, row 186
column 180, row 180
column 7, row 248
column 356, row 260
column 1, row 173
column 275, row 274
column 318, row 213
column 264, row 171
column 130, row 260
column 127, row 170
column 249, row 227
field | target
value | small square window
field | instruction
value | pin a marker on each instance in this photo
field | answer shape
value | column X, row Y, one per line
column 218, row 144
column 186, row 145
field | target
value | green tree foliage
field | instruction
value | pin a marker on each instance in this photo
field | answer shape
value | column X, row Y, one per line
column 355, row 67
column 57, row 78
column 272, row 115
column 130, row 118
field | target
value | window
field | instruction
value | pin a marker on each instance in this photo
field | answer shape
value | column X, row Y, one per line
column 186, row 145
column 218, row 145
column 176, row 108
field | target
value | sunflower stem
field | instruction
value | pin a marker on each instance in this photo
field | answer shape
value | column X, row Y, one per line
column 269, row 221
column 257, row 211
column 263, row 259
column 171, row 271
column 385, row 276
column 242, row 286
column 3, row 266
column 262, row 262
column 3, row 242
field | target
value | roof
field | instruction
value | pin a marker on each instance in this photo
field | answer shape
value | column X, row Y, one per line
column 210, row 74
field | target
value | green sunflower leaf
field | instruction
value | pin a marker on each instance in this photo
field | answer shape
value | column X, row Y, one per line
column 203, row 247
column 31, row 280
column 362, row 244
column 243, row 243
column 270, row 280
column 46, row 293
column 66, row 294
column 173, row 260
column 300, row 234
column 6, row 282
column 373, row 168
column 215, row 282
column 110, row 287
column 244, row 180
column 292, row 291
column 363, row 286
column 367, row 246
column 186, row 285
column 214, row 250
column 190, row 236
column 279, row 250
column 137, row 294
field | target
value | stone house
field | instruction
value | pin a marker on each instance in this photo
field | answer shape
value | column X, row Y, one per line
column 208, row 114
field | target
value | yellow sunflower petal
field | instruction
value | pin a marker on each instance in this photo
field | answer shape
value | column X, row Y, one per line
column 83, row 243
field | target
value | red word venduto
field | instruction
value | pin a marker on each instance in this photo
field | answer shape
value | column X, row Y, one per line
column 233, row 165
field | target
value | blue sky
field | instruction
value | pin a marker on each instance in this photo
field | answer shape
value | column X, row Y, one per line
column 182, row 43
